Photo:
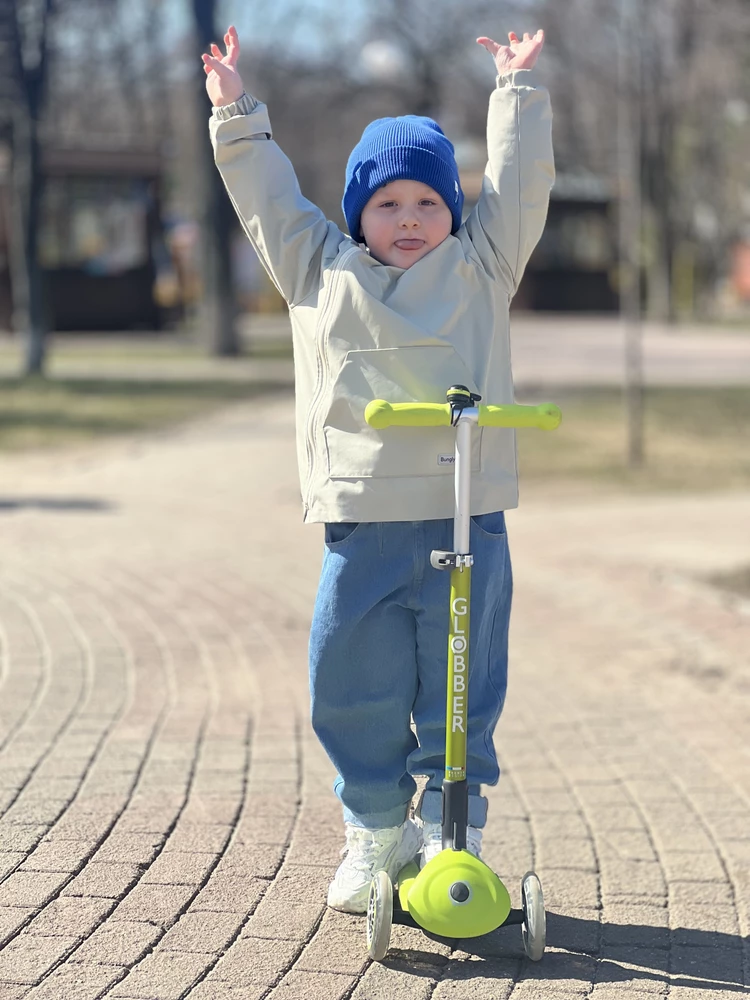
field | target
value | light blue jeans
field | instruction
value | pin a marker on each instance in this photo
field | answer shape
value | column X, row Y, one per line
column 378, row 654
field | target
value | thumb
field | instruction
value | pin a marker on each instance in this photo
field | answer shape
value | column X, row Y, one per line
column 216, row 64
column 492, row 47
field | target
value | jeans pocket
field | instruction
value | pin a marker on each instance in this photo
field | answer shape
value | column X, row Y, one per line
column 338, row 532
column 492, row 524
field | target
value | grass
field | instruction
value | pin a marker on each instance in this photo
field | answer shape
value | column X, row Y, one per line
column 45, row 413
column 695, row 439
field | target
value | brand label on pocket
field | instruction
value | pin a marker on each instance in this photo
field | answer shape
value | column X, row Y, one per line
column 446, row 459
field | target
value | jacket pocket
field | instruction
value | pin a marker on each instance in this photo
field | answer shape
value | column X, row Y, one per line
column 400, row 375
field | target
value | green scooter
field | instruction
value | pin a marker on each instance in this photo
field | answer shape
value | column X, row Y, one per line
column 456, row 895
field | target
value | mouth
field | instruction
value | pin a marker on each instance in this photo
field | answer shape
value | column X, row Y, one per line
column 409, row 244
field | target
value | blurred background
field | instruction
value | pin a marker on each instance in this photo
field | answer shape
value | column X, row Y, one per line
column 129, row 296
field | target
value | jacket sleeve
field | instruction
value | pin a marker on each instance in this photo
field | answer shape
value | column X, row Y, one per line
column 507, row 221
column 288, row 232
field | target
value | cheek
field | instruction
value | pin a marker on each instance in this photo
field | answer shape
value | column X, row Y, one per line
column 438, row 226
column 375, row 228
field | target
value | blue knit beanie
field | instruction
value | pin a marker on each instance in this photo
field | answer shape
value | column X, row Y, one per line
column 407, row 148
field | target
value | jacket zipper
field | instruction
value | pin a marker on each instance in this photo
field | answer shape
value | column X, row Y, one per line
column 321, row 343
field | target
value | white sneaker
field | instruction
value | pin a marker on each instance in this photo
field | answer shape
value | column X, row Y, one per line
column 368, row 852
column 432, row 838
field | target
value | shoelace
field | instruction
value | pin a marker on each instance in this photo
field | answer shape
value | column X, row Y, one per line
column 363, row 838
column 473, row 839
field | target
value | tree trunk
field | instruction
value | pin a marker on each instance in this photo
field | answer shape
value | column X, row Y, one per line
column 30, row 312
column 30, row 315
column 217, row 313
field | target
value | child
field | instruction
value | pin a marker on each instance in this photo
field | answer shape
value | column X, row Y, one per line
column 412, row 303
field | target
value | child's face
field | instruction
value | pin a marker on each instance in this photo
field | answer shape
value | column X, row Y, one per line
column 403, row 221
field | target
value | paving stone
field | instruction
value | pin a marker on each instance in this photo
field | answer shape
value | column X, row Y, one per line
column 560, row 971
column 129, row 848
column 118, row 942
column 9, row 992
column 255, row 860
column 214, row 989
column 166, row 975
column 229, row 894
column 75, row 983
column 105, row 879
column 20, row 838
column 577, row 929
column 279, row 919
column 562, row 885
column 695, row 894
column 645, row 968
column 154, row 901
column 713, row 963
column 30, row 888
column 12, row 918
column 560, row 852
column 524, row 990
column 695, row 866
column 253, row 961
column 393, row 980
column 70, row 915
column 201, row 932
column 57, row 856
column 202, row 837
column 179, row 868
column 27, row 957
column 334, row 949
column 313, row 986
column 10, row 861
column 714, row 926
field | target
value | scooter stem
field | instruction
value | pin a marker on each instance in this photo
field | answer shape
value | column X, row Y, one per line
column 455, row 790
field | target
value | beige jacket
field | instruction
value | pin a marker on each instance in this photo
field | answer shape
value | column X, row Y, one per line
column 364, row 330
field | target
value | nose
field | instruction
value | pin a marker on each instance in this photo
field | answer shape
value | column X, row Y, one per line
column 409, row 219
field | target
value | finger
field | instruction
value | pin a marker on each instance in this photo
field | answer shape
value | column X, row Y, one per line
column 233, row 45
column 512, row 36
column 526, row 36
column 206, row 69
column 491, row 46
column 215, row 64
column 215, row 50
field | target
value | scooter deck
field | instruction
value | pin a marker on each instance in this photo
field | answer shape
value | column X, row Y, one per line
column 404, row 917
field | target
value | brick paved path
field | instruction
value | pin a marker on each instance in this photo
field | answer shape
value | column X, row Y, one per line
column 167, row 827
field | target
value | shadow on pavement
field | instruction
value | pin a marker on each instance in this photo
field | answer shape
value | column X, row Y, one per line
column 55, row 504
column 602, row 953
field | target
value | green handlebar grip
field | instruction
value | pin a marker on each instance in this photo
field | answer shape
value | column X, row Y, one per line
column 545, row 416
column 380, row 414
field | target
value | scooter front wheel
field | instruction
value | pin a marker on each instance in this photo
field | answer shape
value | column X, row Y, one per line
column 379, row 916
column 534, row 926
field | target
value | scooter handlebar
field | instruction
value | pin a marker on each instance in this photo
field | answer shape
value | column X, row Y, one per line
column 381, row 414
column 545, row 416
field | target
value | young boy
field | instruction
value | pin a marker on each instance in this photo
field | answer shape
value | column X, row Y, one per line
column 411, row 303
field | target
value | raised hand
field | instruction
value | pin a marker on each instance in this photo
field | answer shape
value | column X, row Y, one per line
column 518, row 55
column 223, row 82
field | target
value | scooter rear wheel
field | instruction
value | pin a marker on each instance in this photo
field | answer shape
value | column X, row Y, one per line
column 379, row 916
column 534, row 926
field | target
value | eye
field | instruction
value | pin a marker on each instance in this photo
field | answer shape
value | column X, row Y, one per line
column 387, row 204
column 428, row 201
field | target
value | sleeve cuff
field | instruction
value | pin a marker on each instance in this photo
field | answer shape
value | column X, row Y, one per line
column 244, row 105
column 517, row 78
